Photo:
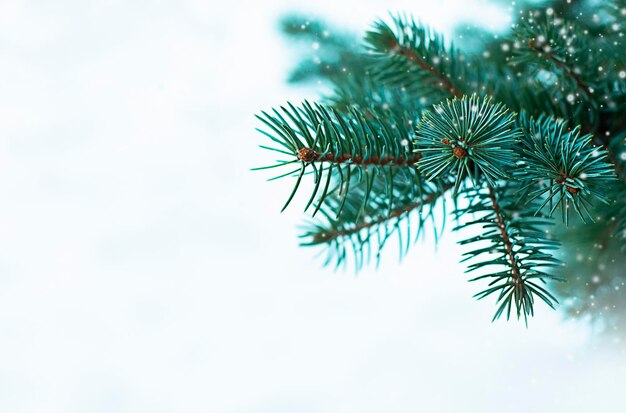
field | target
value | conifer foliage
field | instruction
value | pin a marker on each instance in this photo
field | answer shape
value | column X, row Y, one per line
column 521, row 140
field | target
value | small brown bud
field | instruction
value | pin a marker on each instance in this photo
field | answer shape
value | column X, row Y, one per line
column 460, row 152
column 307, row 155
column 572, row 190
column 445, row 141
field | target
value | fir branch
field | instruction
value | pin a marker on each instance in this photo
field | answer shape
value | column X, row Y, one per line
column 331, row 234
column 444, row 81
column 415, row 59
column 360, row 152
column 517, row 239
column 553, row 52
column 363, row 230
column 339, row 148
column 549, row 42
column 562, row 165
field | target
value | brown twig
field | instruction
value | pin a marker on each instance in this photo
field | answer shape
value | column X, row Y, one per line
column 516, row 274
column 309, row 155
column 410, row 55
column 329, row 236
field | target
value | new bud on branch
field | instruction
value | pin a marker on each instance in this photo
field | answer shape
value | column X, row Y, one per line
column 471, row 136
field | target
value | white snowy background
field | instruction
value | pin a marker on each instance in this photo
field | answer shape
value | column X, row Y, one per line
column 144, row 268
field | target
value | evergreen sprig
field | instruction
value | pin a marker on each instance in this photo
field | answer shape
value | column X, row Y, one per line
column 471, row 137
column 377, row 177
column 563, row 167
column 559, row 47
column 362, row 231
column 415, row 59
column 513, row 242
column 554, row 54
column 340, row 150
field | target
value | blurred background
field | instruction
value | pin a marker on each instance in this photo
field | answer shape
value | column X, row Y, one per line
column 143, row 267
